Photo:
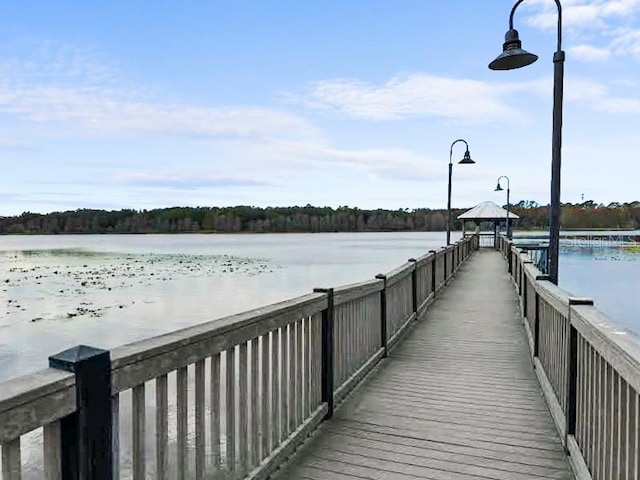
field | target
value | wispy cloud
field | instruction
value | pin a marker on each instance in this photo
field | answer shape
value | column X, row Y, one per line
column 612, row 20
column 417, row 95
column 105, row 112
column 286, row 160
column 65, row 86
column 185, row 180
column 581, row 14
column 599, row 97
column 589, row 53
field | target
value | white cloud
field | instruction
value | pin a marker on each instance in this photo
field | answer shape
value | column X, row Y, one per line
column 66, row 86
column 184, row 179
column 419, row 95
column 580, row 14
column 627, row 43
column 619, row 105
column 103, row 111
column 599, row 97
column 578, row 89
column 611, row 20
column 589, row 53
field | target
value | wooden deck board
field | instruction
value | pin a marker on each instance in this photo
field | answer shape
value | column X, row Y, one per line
column 457, row 399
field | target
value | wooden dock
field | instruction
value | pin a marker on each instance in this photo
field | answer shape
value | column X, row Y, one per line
column 464, row 363
column 456, row 399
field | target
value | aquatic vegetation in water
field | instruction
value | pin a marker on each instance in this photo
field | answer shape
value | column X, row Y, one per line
column 73, row 276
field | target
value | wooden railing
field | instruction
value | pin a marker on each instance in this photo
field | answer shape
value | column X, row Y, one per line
column 231, row 398
column 589, row 371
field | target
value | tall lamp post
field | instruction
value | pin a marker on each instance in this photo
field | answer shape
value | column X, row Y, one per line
column 513, row 56
column 466, row 160
column 500, row 189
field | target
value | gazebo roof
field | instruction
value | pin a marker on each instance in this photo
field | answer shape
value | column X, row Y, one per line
column 487, row 211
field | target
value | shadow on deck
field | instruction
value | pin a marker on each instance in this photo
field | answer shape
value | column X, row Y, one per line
column 456, row 399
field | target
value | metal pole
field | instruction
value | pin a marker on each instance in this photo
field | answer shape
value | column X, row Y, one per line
column 556, row 147
column 449, row 204
column 508, row 227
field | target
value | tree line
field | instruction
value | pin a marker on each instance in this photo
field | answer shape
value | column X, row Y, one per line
column 251, row 219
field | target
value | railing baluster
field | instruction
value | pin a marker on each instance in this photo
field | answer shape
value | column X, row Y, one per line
column 230, row 413
column 598, row 422
column 291, row 378
column 243, row 424
column 182, row 377
column 11, row 466
column 115, row 436
column 200, row 420
column 52, row 451
column 635, row 405
column 138, row 429
column 580, row 386
column 593, row 405
column 264, row 396
column 344, row 345
column 286, row 407
column 318, row 359
column 277, row 406
column 299, row 392
column 310, row 372
column 254, row 399
column 162, row 427
column 616, row 411
column 624, row 428
column 214, row 419
column 351, row 339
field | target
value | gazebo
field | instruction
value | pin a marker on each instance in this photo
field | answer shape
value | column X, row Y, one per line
column 487, row 212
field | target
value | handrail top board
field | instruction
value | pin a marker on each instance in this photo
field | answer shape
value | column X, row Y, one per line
column 397, row 274
column 554, row 295
column 148, row 348
column 353, row 291
column 30, row 388
column 424, row 259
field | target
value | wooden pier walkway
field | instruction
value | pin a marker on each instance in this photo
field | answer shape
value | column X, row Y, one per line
column 464, row 363
column 456, row 399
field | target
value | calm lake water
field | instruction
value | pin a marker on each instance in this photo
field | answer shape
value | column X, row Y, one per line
column 608, row 275
column 108, row 290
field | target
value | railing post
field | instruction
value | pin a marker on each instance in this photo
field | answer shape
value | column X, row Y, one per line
column 86, row 434
column 455, row 258
column 434, row 265
column 327, row 351
column 383, row 314
column 523, row 288
column 414, row 286
column 510, row 260
column 536, row 325
column 572, row 371
column 444, row 269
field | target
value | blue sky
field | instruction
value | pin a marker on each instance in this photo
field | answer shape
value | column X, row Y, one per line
column 139, row 104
